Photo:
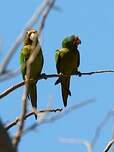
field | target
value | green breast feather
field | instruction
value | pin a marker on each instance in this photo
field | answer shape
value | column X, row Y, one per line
column 24, row 55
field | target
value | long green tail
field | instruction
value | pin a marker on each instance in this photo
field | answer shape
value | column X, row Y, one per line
column 33, row 96
column 65, row 84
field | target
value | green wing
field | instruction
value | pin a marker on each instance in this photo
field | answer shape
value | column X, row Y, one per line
column 78, row 57
column 57, row 60
column 24, row 55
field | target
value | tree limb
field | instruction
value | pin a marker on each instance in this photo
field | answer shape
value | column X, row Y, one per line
column 109, row 145
column 44, row 16
column 13, row 123
column 19, row 132
column 47, row 76
column 86, row 143
column 100, row 127
column 60, row 115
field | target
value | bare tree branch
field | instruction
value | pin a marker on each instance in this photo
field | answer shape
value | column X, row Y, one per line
column 109, row 145
column 61, row 115
column 77, row 141
column 9, row 75
column 90, row 145
column 101, row 126
column 10, row 89
column 19, row 133
column 47, row 76
column 97, row 72
column 45, row 14
column 13, row 123
column 53, row 118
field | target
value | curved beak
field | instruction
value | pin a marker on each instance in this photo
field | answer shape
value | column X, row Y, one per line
column 77, row 41
column 34, row 35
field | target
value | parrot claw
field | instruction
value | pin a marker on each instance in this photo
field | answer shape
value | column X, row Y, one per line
column 35, row 112
column 44, row 76
column 78, row 73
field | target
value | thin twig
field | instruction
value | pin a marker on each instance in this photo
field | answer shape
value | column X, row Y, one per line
column 60, row 115
column 77, row 141
column 10, row 89
column 101, row 126
column 44, row 16
column 47, row 76
column 13, row 123
column 53, row 118
column 9, row 75
column 109, row 145
column 98, row 72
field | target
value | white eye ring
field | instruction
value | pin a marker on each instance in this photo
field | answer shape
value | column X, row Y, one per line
column 32, row 36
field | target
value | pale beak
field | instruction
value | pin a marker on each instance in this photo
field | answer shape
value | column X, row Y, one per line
column 32, row 36
column 79, row 41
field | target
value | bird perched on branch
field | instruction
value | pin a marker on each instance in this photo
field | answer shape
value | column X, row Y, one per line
column 67, row 62
column 31, row 61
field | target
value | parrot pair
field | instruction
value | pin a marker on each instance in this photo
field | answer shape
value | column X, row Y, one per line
column 67, row 62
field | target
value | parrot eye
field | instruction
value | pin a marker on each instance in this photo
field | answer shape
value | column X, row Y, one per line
column 74, row 41
column 27, row 32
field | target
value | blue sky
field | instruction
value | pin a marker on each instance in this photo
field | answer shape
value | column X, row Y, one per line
column 93, row 22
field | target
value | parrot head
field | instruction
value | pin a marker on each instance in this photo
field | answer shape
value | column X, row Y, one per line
column 71, row 41
column 31, row 36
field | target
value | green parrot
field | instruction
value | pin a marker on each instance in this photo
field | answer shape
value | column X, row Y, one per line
column 67, row 62
column 31, row 52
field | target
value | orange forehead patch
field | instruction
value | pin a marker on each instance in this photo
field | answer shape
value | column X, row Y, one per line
column 31, row 31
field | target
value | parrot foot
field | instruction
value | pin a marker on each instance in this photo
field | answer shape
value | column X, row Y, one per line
column 78, row 73
column 44, row 76
column 27, row 80
column 35, row 112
